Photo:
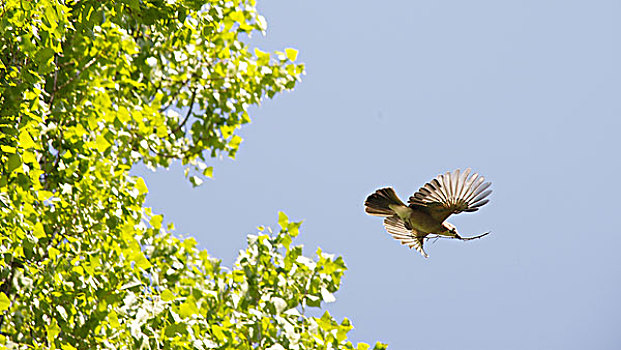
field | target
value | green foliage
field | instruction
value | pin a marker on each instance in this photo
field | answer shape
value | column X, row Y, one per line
column 87, row 90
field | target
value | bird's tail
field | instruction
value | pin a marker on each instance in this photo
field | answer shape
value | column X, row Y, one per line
column 378, row 203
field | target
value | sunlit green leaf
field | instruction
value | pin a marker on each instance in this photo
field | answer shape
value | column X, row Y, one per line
column 7, row 149
column 363, row 346
column 53, row 252
column 292, row 54
column 188, row 308
column 67, row 347
column 53, row 330
column 114, row 319
column 102, row 143
column 25, row 140
column 38, row 230
column 156, row 221
column 380, row 346
column 5, row 303
column 141, row 261
column 141, row 186
column 167, row 295
column 283, row 220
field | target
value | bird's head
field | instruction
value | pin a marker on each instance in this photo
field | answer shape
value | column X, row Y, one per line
column 450, row 229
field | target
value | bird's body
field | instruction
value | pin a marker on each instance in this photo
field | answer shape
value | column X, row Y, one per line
column 428, row 208
column 418, row 218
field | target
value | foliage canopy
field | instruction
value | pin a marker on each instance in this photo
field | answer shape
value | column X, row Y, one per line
column 87, row 90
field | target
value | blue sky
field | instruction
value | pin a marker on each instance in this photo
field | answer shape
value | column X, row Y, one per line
column 527, row 93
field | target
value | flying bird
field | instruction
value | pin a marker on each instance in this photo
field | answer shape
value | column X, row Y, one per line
column 424, row 216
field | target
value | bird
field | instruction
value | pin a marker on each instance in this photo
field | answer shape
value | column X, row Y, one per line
column 427, row 210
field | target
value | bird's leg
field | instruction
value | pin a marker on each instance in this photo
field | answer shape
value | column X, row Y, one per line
column 471, row 238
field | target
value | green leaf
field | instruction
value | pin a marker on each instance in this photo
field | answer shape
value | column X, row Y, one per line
column 38, row 230
column 102, row 144
column 67, row 347
column 43, row 195
column 7, row 149
column 53, row 252
column 283, row 220
column 292, row 54
column 189, row 243
column 363, row 346
column 141, row 261
column 14, row 162
column 208, row 172
column 235, row 141
column 176, row 329
column 237, row 16
column 188, row 308
column 5, row 302
column 141, row 186
column 113, row 319
column 196, row 181
column 167, row 295
column 25, row 140
column 52, row 330
column 43, row 59
column 263, row 58
column 218, row 332
column 29, row 157
column 156, row 221
column 294, row 228
column 380, row 346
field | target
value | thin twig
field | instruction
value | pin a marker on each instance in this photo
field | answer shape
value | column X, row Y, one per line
column 55, row 80
column 474, row 237
column 310, row 280
column 174, row 96
column 90, row 63
column 58, row 154
column 187, row 116
column 459, row 237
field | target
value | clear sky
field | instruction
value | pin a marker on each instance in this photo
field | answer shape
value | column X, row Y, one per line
column 528, row 93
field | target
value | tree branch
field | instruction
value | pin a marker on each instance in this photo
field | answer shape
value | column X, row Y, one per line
column 55, row 80
column 88, row 64
column 187, row 116
column 163, row 109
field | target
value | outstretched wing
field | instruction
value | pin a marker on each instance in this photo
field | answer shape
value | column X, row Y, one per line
column 413, row 239
column 452, row 193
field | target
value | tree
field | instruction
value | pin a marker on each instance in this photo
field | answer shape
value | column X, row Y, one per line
column 87, row 90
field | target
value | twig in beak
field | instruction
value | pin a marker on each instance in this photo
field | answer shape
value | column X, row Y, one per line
column 473, row 237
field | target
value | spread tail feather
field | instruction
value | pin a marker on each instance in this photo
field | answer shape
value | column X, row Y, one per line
column 378, row 203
